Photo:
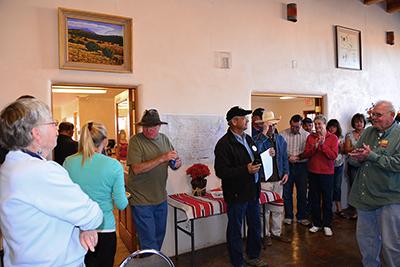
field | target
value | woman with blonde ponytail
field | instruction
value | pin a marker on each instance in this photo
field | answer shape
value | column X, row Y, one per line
column 102, row 178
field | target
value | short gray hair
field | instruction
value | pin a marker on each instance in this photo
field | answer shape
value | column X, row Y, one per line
column 18, row 119
column 386, row 103
column 320, row 117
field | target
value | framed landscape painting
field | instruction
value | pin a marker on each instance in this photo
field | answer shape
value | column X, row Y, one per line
column 93, row 41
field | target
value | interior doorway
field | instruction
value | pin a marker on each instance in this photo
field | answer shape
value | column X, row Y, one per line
column 114, row 106
column 287, row 105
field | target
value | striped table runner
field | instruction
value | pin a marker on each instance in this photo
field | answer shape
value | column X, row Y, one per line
column 207, row 205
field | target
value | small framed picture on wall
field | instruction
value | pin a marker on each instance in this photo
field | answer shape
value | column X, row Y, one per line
column 348, row 48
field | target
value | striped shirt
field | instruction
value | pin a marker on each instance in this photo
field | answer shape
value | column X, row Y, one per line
column 296, row 143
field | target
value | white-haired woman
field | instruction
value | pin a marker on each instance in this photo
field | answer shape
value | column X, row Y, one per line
column 321, row 150
column 45, row 218
column 102, row 178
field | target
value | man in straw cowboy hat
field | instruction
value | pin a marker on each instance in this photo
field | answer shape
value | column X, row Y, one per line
column 237, row 163
column 149, row 154
column 268, row 138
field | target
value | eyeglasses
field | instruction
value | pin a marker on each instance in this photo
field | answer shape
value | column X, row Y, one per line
column 377, row 115
column 54, row 123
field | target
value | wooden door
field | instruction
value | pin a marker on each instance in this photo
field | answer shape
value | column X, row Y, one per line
column 125, row 118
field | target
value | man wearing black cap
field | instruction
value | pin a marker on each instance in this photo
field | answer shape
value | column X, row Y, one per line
column 237, row 165
column 256, row 128
column 149, row 154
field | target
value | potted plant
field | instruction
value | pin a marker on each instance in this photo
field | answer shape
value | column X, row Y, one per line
column 198, row 172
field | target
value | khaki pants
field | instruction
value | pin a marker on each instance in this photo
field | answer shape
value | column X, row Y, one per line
column 276, row 211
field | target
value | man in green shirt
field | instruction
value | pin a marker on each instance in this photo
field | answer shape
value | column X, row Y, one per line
column 149, row 154
column 376, row 189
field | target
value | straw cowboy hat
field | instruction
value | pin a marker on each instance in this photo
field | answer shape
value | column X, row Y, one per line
column 269, row 117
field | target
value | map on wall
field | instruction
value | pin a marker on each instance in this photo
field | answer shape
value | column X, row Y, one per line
column 194, row 136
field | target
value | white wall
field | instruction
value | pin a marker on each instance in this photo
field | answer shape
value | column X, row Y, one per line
column 173, row 53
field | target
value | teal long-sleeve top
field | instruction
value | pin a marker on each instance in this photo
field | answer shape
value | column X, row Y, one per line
column 102, row 179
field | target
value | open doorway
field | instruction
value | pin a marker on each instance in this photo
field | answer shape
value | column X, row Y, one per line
column 114, row 106
column 287, row 105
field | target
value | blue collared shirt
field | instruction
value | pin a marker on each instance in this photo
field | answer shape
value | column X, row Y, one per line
column 242, row 139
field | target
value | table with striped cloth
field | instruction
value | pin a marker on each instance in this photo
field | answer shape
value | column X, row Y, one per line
column 212, row 203
column 207, row 205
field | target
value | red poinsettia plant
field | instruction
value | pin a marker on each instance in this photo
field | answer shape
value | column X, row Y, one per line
column 198, row 171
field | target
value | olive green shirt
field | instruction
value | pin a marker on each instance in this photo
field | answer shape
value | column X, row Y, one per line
column 377, row 182
column 147, row 188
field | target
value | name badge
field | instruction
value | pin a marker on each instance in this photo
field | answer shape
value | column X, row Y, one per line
column 383, row 143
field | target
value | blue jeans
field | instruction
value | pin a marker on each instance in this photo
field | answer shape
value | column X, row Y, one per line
column 379, row 229
column 297, row 175
column 337, row 183
column 236, row 213
column 151, row 223
column 321, row 184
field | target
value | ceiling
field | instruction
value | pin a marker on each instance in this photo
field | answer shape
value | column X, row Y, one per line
column 391, row 6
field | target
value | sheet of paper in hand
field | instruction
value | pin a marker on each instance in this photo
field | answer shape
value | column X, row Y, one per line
column 267, row 164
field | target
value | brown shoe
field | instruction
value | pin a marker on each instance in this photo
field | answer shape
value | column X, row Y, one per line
column 256, row 262
column 281, row 238
column 266, row 241
column 304, row 222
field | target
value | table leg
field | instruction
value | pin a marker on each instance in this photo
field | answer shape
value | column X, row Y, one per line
column 192, row 240
column 176, row 232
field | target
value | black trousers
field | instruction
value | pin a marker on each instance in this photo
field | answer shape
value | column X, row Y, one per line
column 104, row 253
column 1, row 258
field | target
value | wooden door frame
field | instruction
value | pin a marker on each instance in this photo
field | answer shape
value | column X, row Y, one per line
column 321, row 97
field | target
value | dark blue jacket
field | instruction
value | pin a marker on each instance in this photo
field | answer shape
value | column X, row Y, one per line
column 231, row 159
column 263, row 143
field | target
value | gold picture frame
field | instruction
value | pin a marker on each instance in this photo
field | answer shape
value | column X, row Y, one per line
column 93, row 41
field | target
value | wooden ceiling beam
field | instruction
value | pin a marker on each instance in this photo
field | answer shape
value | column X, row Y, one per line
column 371, row 2
column 392, row 6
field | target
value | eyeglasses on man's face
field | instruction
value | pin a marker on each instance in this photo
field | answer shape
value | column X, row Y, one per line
column 377, row 114
column 54, row 123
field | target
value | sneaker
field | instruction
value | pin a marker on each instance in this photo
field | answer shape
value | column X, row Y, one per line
column 314, row 229
column 287, row 221
column 281, row 238
column 267, row 241
column 256, row 262
column 304, row 222
column 327, row 231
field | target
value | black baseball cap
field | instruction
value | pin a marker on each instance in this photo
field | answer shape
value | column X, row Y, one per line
column 236, row 111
